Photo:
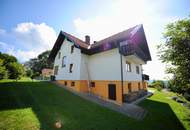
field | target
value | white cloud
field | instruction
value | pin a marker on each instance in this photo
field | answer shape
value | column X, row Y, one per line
column 21, row 55
column 30, row 40
column 35, row 36
column 123, row 14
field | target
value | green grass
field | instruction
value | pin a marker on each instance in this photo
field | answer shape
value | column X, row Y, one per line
column 27, row 105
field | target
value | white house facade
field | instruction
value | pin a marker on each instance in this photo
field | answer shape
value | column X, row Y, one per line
column 110, row 69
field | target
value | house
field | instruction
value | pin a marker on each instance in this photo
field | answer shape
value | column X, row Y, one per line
column 47, row 72
column 110, row 68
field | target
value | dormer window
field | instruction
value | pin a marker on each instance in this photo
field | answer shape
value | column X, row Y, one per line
column 72, row 49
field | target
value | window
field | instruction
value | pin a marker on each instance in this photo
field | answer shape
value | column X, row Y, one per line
column 128, row 66
column 59, row 55
column 71, row 68
column 72, row 49
column 56, row 70
column 64, row 61
column 129, row 87
column 139, row 86
column 137, row 69
column 92, row 84
column 65, row 83
column 72, row 83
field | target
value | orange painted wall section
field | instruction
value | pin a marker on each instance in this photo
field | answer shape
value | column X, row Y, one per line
column 101, row 87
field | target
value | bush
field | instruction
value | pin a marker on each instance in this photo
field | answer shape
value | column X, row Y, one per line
column 159, row 85
column 16, row 70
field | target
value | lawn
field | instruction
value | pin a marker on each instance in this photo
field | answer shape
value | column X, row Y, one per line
column 27, row 105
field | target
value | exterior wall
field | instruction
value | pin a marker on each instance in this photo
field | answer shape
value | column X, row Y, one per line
column 74, row 58
column 80, row 85
column 101, row 90
column 102, row 68
column 134, row 86
column 84, row 75
column 131, row 76
column 105, row 65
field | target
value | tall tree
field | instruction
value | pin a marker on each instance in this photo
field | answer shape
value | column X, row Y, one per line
column 9, row 67
column 37, row 64
column 175, row 52
column 2, row 69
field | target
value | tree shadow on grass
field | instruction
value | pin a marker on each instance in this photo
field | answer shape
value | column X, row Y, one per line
column 44, row 99
column 161, row 116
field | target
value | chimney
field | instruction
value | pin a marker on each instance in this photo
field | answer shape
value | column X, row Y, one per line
column 87, row 39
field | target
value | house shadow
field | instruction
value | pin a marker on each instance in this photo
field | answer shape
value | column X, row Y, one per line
column 14, row 96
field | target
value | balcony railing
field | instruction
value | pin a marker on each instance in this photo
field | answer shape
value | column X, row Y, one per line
column 131, row 49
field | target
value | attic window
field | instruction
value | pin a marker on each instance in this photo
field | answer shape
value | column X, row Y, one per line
column 59, row 55
column 72, row 49
column 128, row 66
column 71, row 68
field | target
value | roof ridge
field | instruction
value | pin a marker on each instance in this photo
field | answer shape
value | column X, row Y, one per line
column 116, row 34
column 72, row 36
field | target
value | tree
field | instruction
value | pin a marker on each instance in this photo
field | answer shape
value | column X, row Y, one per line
column 29, row 73
column 37, row 64
column 16, row 70
column 2, row 70
column 175, row 52
column 7, row 58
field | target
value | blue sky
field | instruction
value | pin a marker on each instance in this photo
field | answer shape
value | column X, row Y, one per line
column 30, row 27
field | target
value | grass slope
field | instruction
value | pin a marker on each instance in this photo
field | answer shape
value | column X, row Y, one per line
column 37, row 105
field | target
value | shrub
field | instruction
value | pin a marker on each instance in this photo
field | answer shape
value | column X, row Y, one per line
column 159, row 85
column 16, row 70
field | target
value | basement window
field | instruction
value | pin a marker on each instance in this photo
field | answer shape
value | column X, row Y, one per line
column 129, row 87
column 65, row 83
column 71, row 68
column 92, row 84
column 128, row 66
column 139, row 86
column 72, row 83
column 72, row 49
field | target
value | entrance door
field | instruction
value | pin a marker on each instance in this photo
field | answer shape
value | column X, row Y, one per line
column 112, row 91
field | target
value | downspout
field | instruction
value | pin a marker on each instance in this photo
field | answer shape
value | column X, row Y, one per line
column 121, row 64
column 121, row 76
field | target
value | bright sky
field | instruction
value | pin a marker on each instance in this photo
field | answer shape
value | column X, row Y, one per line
column 29, row 27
